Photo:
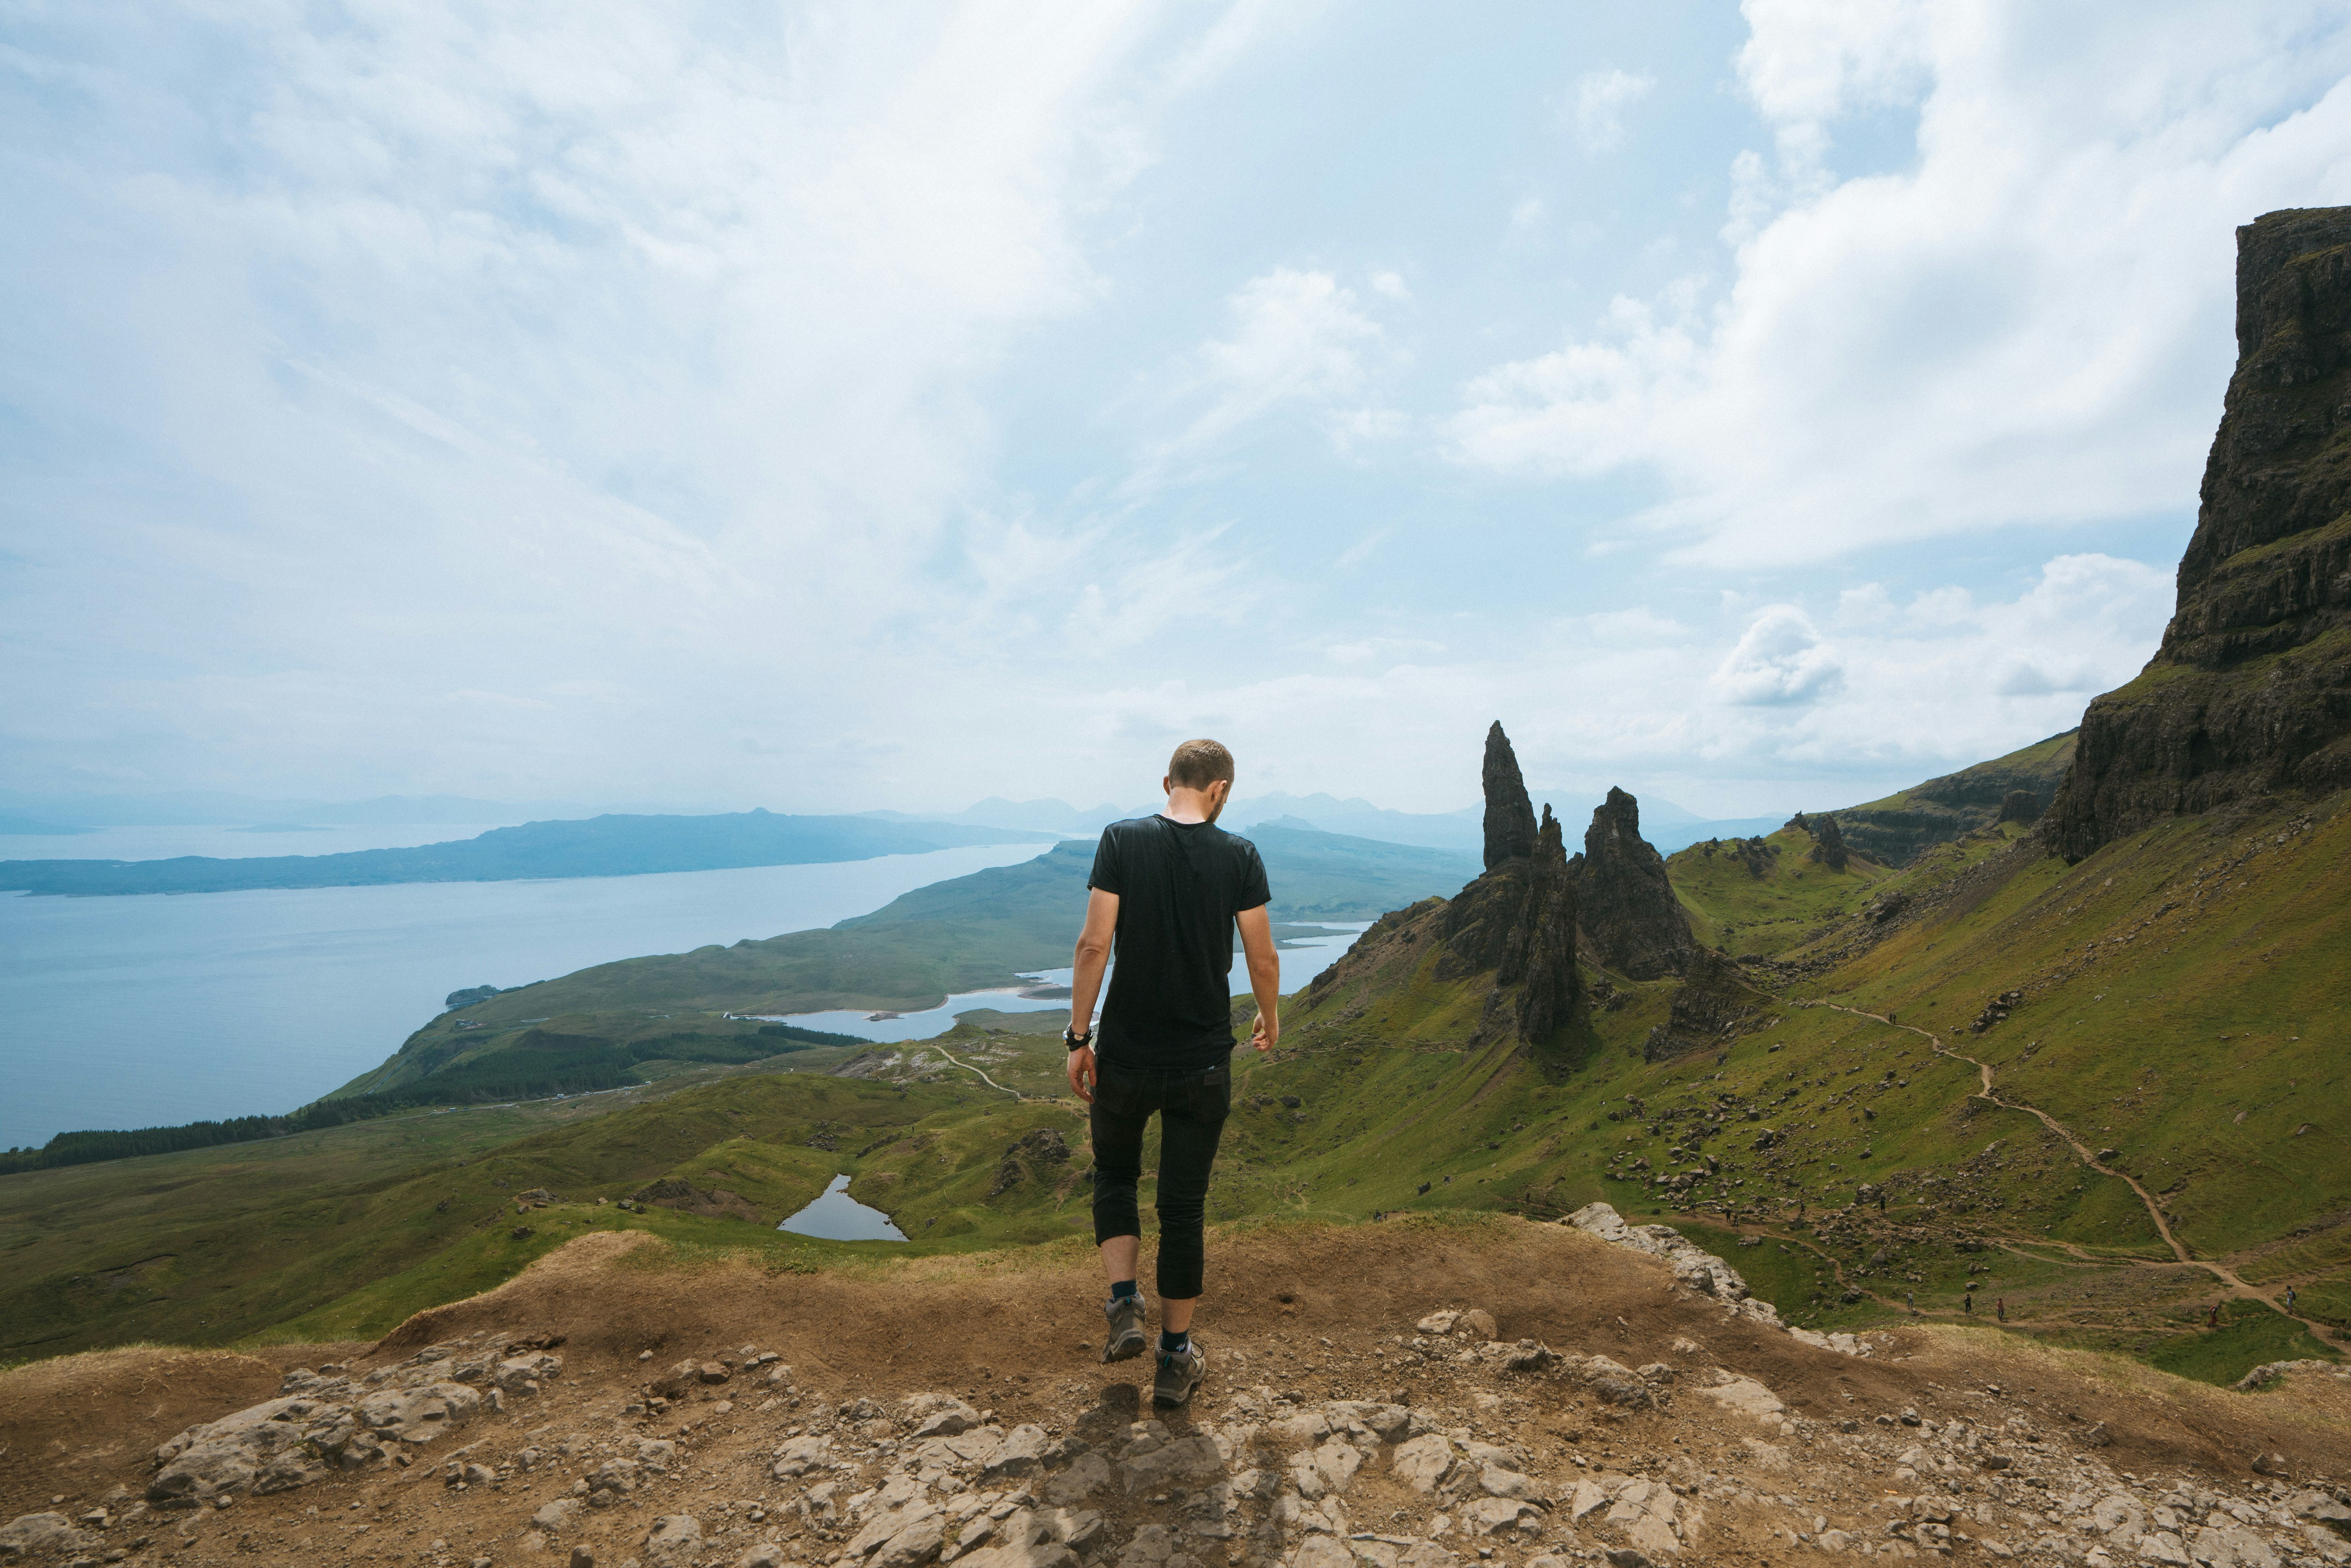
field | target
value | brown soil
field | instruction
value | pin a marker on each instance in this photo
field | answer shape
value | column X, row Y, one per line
column 1311, row 1310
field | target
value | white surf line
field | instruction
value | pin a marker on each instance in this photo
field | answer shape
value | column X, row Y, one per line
column 2323, row 1332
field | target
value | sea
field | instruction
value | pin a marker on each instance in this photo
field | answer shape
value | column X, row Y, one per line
column 160, row 1008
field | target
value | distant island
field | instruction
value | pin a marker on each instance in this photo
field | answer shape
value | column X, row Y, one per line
column 596, row 846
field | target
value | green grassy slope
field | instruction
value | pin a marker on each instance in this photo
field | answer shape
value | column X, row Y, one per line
column 2133, row 965
column 1743, row 902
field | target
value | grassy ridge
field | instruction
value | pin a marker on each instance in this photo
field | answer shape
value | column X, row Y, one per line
column 1744, row 901
column 2133, row 965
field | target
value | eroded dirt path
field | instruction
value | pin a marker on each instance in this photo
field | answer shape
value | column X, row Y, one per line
column 1989, row 1092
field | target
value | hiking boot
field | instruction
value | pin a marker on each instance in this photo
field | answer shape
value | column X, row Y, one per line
column 1127, row 1335
column 1179, row 1373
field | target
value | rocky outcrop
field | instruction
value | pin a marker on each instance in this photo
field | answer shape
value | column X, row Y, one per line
column 327, row 1420
column 717, row 1203
column 1895, row 831
column 1715, row 1002
column 1507, row 939
column 1632, row 922
column 2250, row 694
column 1035, row 1152
column 1828, row 844
column 1517, row 922
column 1510, row 814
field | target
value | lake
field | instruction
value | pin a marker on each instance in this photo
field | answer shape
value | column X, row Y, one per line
column 160, row 1008
column 836, row 1217
column 1301, row 960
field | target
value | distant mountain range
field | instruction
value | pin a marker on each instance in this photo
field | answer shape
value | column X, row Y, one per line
column 1668, row 826
column 599, row 846
column 53, row 814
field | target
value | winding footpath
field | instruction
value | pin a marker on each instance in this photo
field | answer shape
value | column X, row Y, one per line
column 968, row 1067
column 2222, row 1271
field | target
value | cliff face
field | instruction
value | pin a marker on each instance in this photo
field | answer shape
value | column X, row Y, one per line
column 1495, row 962
column 1896, row 830
column 1631, row 921
column 2250, row 692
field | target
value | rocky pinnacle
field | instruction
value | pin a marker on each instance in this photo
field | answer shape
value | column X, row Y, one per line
column 1632, row 920
column 1509, row 815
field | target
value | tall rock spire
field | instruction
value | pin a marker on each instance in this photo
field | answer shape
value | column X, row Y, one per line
column 1631, row 919
column 1507, row 940
column 1510, row 814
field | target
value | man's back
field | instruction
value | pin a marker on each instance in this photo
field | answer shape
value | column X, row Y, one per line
column 1179, row 885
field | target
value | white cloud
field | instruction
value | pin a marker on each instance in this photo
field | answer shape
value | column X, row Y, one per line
column 1298, row 338
column 2028, row 326
column 1595, row 110
column 1780, row 659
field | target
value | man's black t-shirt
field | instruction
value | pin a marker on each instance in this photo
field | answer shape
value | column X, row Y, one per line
column 1179, row 884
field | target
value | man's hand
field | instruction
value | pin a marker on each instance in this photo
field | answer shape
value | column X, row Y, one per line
column 1081, row 1072
column 1264, row 973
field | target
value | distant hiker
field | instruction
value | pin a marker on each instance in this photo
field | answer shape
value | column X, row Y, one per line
column 2289, row 1298
column 1910, row 1300
column 1168, row 889
column 1999, row 1303
column 2212, row 1318
column 1968, row 1303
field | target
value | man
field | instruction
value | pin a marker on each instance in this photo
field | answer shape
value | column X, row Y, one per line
column 1169, row 889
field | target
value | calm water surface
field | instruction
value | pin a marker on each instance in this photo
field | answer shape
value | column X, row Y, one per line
column 836, row 1217
column 1301, row 960
column 161, row 1009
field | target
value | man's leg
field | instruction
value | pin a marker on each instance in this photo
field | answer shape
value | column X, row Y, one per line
column 1117, row 1119
column 1190, row 1127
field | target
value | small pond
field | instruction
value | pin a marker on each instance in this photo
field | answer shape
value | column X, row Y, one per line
column 834, row 1216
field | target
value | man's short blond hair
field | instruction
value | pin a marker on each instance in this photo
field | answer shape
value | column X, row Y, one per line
column 1198, row 764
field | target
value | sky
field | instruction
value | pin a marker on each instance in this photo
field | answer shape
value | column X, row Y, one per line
column 835, row 407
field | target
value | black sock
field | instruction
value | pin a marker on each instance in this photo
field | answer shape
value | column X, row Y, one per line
column 1171, row 1343
column 1123, row 1288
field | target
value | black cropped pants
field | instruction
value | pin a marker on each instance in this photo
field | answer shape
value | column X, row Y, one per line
column 1191, row 1108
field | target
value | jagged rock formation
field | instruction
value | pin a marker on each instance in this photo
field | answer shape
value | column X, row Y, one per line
column 1509, row 815
column 1632, row 922
column 1714, row 1003
column 1513, row 929
column 1828, row 844
column 2250, row 692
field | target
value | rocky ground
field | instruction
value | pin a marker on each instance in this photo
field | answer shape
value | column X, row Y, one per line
column 1408, row 1396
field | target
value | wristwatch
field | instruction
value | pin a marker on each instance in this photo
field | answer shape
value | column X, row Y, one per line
column 1075, row 1041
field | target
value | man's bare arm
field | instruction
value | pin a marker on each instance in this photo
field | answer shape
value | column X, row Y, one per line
column 1085, row 983
column 1264, row 975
